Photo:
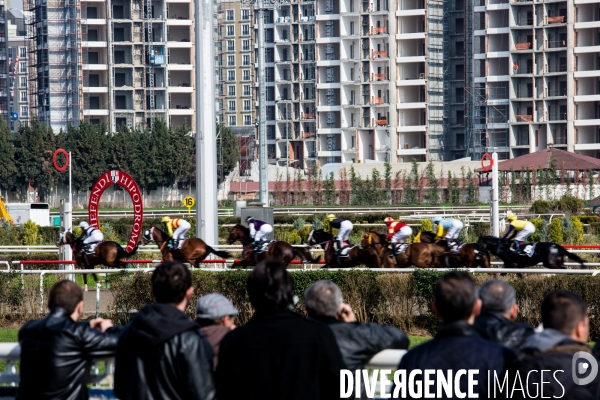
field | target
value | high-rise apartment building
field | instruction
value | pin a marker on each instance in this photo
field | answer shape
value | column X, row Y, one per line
column 18, row 73
column 4, row 65
column 121, row 62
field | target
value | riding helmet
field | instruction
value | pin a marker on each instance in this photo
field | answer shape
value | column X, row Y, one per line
column 511, row 217
column 330, row 217
column 166, row 219
column 437, row 220
column 249, row 219
column 388, row 220
column 83, row 225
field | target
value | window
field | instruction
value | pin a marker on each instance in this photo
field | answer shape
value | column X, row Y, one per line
column 246, row 90
column 245, row 45
column 246, row 60
column 245, row 30
column 232, row 120
column 24, row 111
column 23, row 52
column 246, row 75
column 231, row 90
column 231, row 61
column 231, row 105
column 246, row 105
column 10, row 52
column 230, row 30
column 22, row 67
column 245, row 15
column 231, row 75
column 23, row 81
column 23, row 95
column 228, row 15
column 231, row 45
column 247, row 119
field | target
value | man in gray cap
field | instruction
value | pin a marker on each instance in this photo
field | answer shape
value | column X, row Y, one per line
column 215, row 314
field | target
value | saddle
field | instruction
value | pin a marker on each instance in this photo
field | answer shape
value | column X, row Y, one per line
column 400, row 249
column 345, row 252
column 529, row 250
column 263, row 247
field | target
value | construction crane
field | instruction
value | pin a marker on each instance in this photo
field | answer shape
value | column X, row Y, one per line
column 4, row 214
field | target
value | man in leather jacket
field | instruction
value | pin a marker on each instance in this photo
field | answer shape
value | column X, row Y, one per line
column 498, row 312
column 358, row 342
column 161, row 353
column 56, row 352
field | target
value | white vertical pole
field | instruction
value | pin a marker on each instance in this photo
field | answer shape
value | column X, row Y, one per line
column 68, row 222
column 262, row 109
column 206, row 146
column 495, row 216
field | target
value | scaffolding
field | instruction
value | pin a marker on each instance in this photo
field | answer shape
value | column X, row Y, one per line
column 435, row 79
column 488, row 123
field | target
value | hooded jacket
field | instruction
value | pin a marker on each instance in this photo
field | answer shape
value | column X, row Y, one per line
column 163, row 355
column 497, row 328
column 56, row 356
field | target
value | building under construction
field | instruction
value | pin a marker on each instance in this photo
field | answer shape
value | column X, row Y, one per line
column 116, row 62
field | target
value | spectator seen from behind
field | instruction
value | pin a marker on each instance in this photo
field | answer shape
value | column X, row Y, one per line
column 457, row 345
column 566, row 332
column 278, row 354
column 498, row 313
column 215, row 314
column 162, row 354
column 57, row 351
column 358, row 342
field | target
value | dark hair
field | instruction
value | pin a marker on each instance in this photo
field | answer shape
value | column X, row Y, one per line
column 497, row 296
column 65, row 294
column 270, row 286
column 563, row 310
column 170, row 282
column 455, row 295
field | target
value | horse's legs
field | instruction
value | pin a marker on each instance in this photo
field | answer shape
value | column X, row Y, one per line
column 85, row 282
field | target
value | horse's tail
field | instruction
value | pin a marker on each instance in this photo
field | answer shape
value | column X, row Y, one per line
column 304, row 254
column 572, row 256
column 220, row 253
column 125, row 254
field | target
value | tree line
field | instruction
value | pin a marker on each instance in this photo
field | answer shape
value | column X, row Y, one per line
column 159, row 157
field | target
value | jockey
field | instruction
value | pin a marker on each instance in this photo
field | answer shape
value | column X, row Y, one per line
column 344, row 228
column 519, row 229
column 449, row 229
column 397, row 232
column 258, row 231
column 94, row 236
column 177, row 229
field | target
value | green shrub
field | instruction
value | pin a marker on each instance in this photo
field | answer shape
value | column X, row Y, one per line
column 426, row 225
column 577, row 231
column 298, row 223
column 569, row 204
column 541, row 207
column 30, row 233
column 556, row 231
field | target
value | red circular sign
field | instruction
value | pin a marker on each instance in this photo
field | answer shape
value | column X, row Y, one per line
column 56, row 153
column 126, row 181
column 484, row 157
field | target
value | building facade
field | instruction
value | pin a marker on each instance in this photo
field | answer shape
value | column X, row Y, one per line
column 120, row 63
column 18, row 73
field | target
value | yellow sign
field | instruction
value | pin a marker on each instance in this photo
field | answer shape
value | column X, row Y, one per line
column 188, row 202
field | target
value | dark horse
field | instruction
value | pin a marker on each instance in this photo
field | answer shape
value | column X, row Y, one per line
column 358, row 255
column 551, row 255
column 105, row 253
column 193, row 250
column 468, row 255
column 278, row 250
column 420, row 255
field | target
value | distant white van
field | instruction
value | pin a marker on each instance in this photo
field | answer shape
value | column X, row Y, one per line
column 23, row 212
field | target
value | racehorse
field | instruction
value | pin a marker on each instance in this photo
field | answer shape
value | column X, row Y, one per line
column 357, row 255
column 278, row 250
column 551, row 255
column 193, row 250
column 421, row 255
column 105, row 253
column 468, row 255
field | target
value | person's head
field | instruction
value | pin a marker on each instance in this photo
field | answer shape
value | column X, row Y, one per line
column 330, row 217
column 172, row 284
column 323, row 299
column 388, row 220
column 84, row 225
column 249, row 219
column 165, row 219
column 455, row 298
column 566, row 312
column 511, row 217
column 437, row 220
column 498, row 296
column 68, row 295
column 215, row 309
column 270, row 287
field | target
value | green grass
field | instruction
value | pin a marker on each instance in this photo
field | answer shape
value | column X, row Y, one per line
column 417, row 340
column 8, row 335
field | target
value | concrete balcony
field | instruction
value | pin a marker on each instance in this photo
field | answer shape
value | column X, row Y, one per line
column 181, row 89
column 101, row 89
column 335, row 153
column 417, row 35
column 587, row 49
column 179, row 22
column 94, row 44
column 181, row 111
column 410, row 105
column 329, row 85
column 591, row 97
column 411, row 152
column 587, row 122
column 410, row 59
column 410, row 82
column 95, row 67
column 327, row 40
column 179, row 45
column 328, row 63
column 180, row 67
column 414, row 128
column 329, row 108
column 88, row 112
column 587, row 146
column 409, row 13
column 586, row 74
column 93, row 21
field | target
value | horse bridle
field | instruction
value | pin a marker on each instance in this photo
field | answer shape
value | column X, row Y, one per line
column 148, row 235
column 310, row 237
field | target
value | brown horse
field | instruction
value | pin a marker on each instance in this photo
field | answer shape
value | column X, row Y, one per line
column 193, row 250
column 357, row 255
column 106, row 253
column 468, row 255
column 278, row 250
column 420, row 255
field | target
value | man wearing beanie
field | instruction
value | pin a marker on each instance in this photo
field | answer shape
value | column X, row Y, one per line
column 215, row 314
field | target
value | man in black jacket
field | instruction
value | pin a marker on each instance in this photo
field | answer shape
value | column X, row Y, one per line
column 358, row 342
column 560, row 348
column 278, row 354
column 457, row 345
column 57, row 351
column 161, row 353
column 498, row 312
